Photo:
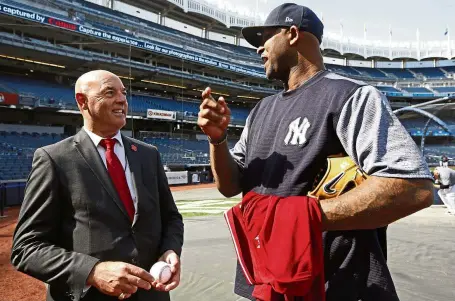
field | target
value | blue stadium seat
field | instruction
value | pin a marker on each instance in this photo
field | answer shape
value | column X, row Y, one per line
column 16, row 151
column 183, row 151
column 388, row 89
column 343, row 70
column 450, row 69
column 420, row 90
column 430, row 72
column 439, row 150
column 49, row 93
column 371, row 72
column 399, row 73
column 444, row 89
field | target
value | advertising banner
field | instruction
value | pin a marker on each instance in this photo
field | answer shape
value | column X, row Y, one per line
column 177, row 177
column 160, row 114
column 8, row 98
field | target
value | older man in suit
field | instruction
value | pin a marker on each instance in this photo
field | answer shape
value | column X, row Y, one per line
column 97, row 211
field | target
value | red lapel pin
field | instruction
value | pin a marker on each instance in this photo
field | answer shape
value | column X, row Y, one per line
column 134, row 148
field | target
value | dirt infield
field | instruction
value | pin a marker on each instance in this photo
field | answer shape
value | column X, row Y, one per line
column 15, row 286
column 20, row 287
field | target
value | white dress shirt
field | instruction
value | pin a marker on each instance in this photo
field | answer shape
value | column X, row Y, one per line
column 119, row 150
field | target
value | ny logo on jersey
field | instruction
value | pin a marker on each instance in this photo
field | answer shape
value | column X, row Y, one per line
column 297, row 132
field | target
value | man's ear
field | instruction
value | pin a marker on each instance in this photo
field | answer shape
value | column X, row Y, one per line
column 294, row 32
column 81, row 100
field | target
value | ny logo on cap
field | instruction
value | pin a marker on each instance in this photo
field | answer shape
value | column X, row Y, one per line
column 288, row 20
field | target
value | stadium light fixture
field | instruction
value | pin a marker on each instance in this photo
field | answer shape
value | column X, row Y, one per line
column 162, row 84
column 126, row 77
column 249, row 97
column 31, row 61
column 213, row 92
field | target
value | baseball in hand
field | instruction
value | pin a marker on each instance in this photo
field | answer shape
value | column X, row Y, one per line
column 161, row 272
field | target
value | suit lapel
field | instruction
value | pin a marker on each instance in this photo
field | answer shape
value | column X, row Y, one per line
column 132, row 153
column 88, row 151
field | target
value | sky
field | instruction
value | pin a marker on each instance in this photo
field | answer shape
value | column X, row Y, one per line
column 404, row 17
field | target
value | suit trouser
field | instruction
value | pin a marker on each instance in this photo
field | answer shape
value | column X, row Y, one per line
column 447, row 196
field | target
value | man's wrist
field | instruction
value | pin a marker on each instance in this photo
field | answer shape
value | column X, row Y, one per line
column 222, row 140
column 90, row 278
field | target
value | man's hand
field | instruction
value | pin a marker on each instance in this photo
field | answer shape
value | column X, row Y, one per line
column 174, row 261
column 119, row 279
column 214, row 116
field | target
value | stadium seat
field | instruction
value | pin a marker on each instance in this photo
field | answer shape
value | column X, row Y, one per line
column 17, row 149
column 398, row 73
column 371, row 72
column 388, row 89
column 433, row 73
column 417, row 90
column 444, row 89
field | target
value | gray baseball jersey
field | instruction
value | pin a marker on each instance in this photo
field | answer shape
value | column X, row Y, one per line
column 285, row 143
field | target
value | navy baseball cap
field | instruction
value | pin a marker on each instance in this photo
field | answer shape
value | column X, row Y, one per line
column 286, row 15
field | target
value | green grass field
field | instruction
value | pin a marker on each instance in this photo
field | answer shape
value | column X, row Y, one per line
column 196, row 214
column 195, row 208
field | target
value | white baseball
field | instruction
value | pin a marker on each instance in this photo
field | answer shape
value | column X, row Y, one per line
column 161, row 272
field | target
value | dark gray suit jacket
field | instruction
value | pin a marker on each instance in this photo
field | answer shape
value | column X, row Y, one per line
column 72, row 217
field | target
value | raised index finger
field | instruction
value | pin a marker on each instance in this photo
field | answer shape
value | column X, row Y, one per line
column 207, row 99
column 207, row 92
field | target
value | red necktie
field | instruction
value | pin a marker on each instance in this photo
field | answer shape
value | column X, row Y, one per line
column 117, row 173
